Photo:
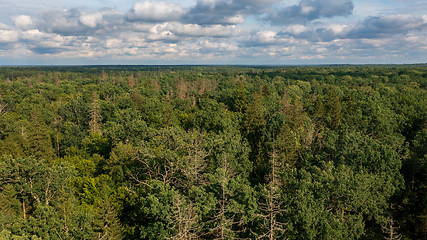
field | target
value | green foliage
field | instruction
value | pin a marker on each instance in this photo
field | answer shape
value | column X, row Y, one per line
column 198, row 152
column 332, row 202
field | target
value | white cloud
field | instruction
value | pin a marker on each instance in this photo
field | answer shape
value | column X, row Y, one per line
column 76, row 22
column 141, row 26
column 91, row 20
column 295, row 29
column 23, row 22
column 160, row 32
column 219, row 46
column 339, row 29
column 33, row 35
column 267, row 36
column 155, row 11
column 235, row 19
column 194, row 30
column 113, row 43
column 8, row 36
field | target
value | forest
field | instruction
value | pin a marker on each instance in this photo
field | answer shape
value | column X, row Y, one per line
column 213, row 152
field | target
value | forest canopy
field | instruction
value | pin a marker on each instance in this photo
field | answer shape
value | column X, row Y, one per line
column 213, row 152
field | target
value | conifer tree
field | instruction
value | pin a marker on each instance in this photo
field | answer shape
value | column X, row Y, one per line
column 95, row 116
column 271, row 208
column 184, row 219
column 224, row 224
column 390, row 230
column 38, row 142
column 108, row 224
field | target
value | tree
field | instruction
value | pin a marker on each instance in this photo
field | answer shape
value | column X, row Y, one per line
column 333, row 107
column 107, row 223
column 95, row 116
column 252, row 126
column 271, row 206
column 175, row 156
column 231, row 203
column 390, row 230
column 224, row 224
column 38, row 142
column 39, row 197
column 131, row 81
column 186, row 220
column 164, row 213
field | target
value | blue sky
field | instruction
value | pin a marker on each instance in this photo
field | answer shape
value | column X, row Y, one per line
column 50, row 32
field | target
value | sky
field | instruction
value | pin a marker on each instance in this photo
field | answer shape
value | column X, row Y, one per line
column 246, row 32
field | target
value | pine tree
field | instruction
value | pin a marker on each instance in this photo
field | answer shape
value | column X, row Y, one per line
column 223, row 230
column 181, row 89
column 131, row 81
column 38, row 142
column 95, row 116
column 57, row 80
column 104, row 76
column 233, row 206
column 271, row 207
column 334, row 115
column 186, row 225
column 109, row 227
column 10, row 207
column 390, row 230
column 252, row 126
column 195, row 160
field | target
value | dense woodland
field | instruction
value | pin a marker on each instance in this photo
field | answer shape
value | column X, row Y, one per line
column 199, row 152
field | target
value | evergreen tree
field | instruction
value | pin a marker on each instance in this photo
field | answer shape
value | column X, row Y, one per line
column 272, row 207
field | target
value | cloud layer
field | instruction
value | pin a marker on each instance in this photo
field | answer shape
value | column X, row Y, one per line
column 215, row 31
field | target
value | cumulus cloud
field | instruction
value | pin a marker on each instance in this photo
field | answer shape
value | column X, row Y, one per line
column 47, row 43
column 155, row 11
column 214, row 12
column 370, row 28
column 64, row 22
column 91, row 20
column 23, row 22
column 385, row 26
column 194, row 30
column 226, row 12
column 162, row 33
column 325, row 33
column 8, row 36
column 265, row 38
column 309, row 10
column 113, row 43
column 216, row 48
column 33, row 35
column 270, row 39
column 73, row 22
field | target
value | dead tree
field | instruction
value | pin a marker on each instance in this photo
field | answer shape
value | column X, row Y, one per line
column 185, row 220
column 390, row 230
column 271, row 209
